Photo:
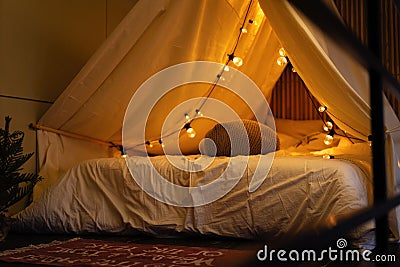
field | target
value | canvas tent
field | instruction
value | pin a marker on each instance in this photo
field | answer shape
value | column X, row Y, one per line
column 161, row 33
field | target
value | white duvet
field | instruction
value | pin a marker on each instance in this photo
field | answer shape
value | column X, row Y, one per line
column 299, row 193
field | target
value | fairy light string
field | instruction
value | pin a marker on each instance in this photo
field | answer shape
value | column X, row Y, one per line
column 231, row 57
column 329, row 125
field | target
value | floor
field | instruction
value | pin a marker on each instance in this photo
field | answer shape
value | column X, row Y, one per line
column 15, row 240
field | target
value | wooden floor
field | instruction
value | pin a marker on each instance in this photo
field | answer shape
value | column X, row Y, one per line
column 15, row 240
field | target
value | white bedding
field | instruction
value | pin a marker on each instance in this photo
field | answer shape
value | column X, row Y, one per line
column 302, row 192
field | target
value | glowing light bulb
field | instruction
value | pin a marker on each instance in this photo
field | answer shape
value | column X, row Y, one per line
column 226, row 68
column 237, row 61
column 328, row 139
column 123, row 152
column 328, row 126
column 191, row 132
column 187, row 116
column 281, row 61
column 326, row 156
column 161, row 143
column 370, row 140
column 282, row 52
column 198, row 112
column 150, row 144
column 219, row 76
column 244, row 30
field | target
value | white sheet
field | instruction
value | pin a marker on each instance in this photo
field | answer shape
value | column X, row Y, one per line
column 299, row 193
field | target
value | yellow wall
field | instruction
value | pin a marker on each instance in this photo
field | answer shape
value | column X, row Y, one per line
column 43, row 45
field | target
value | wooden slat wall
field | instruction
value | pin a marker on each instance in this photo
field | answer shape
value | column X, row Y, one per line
column 354, row 15
column 289, row 99
column 391, row 45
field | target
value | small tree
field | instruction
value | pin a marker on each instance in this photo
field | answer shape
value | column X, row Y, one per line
column 14, row 185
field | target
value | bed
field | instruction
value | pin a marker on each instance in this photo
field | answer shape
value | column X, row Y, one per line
column 303, row 190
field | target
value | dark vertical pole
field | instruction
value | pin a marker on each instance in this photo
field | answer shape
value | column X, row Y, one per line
column 377, row 115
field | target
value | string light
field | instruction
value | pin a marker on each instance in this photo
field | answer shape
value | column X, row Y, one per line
column 161, row 143
column 150, row 144
column 219, row 76
column 123, row 152
column 190, row 131
column 237, row 61
column 370, row 140
column 282, row 52
column 231, row 57
column 328, row 126
column 329, row 138
column 121, row 149
column 198, row 112
column 322, row 109
column 281, row 61
column 326, row 156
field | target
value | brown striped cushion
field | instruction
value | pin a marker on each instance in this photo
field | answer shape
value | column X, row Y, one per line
column 254, row 131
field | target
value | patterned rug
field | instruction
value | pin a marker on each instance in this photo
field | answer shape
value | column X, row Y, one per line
column 88, row 252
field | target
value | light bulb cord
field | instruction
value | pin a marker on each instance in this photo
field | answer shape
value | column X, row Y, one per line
column 212, row 87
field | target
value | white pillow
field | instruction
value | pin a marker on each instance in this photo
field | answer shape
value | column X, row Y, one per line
column 298, row 128
column 286, row 140
column 313, row 142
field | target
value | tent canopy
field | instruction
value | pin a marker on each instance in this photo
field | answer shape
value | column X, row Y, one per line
column 159, row 34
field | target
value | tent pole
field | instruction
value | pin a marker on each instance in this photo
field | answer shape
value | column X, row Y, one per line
column 73, row 135
column 377, row 123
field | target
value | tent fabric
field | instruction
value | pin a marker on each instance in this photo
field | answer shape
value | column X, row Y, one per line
column 153, row 36
column 158, row 34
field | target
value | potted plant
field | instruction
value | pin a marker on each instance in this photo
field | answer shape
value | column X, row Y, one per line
column 14, row 185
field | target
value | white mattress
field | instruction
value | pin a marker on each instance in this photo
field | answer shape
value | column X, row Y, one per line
column 100, row 196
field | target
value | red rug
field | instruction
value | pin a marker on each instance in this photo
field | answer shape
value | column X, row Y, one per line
column 88, row 252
